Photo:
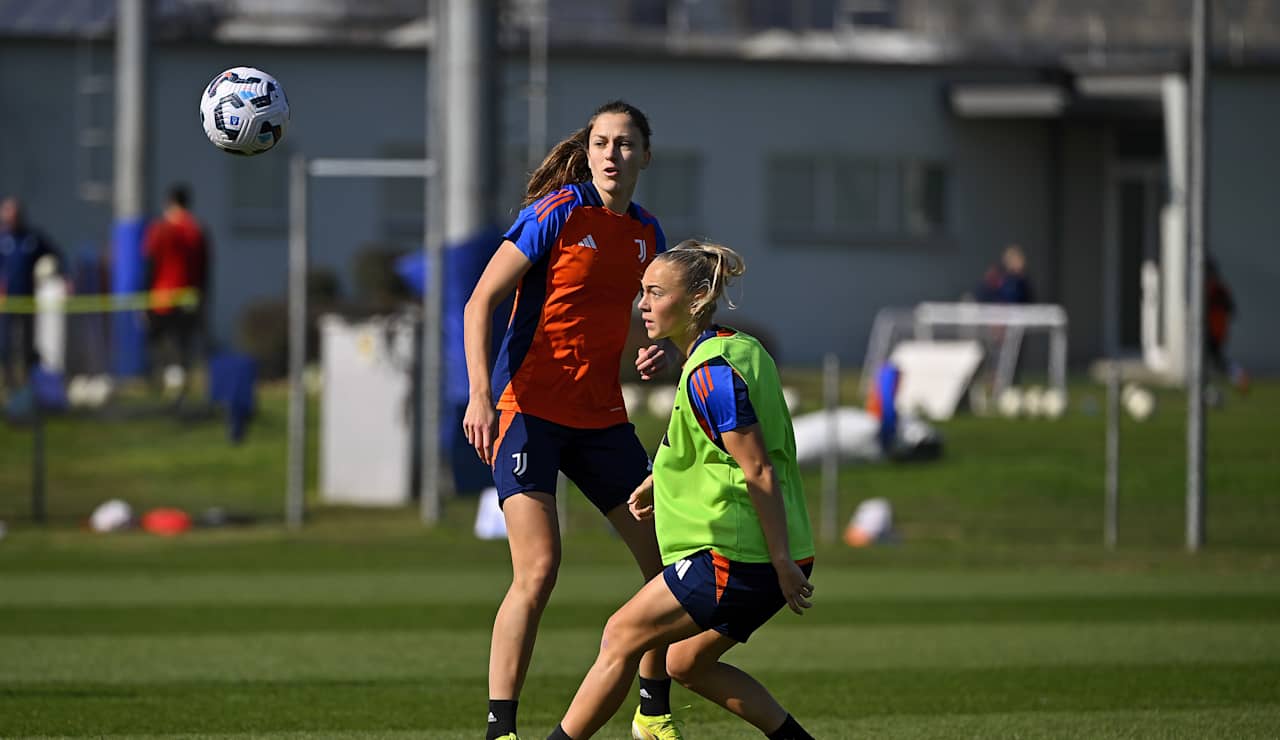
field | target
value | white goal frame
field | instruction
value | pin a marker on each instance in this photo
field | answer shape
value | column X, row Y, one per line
column 925, row 319
column 301, row 171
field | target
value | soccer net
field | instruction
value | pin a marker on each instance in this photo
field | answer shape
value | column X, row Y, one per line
column 1000, row 329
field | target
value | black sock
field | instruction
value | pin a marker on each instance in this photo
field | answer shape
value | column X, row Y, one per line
column 502, row 717
column 559, row 734
column 790, row 730
column 655, row 696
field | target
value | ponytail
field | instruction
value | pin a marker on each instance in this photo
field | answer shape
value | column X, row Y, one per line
column 708, row 269
column 564, row 164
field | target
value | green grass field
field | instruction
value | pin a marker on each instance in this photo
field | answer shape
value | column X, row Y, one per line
column 999, row 614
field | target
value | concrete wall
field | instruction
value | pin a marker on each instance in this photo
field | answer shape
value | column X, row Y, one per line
column 813, row 298
column 1244, row 220
column 1083, row 238
column 822, row 297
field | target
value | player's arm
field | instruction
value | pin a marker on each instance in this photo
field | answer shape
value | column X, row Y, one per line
column 499, row 279
column 746, row 445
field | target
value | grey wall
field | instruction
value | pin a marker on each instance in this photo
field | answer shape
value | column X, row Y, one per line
column 339, row 110
column 1244, row 218
column 817, row 298
column 1083, row 238
column 342, row 110
column 37, row 135
column 812, row 297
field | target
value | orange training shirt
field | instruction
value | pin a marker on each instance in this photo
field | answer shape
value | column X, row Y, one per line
column 560, row 357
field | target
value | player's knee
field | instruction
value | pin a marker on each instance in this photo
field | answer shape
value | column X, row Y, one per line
column 683, row 665
column 536, row 580
column 621, row 639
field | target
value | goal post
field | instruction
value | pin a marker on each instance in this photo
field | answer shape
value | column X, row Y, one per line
column 300, row 173
column 926, row 320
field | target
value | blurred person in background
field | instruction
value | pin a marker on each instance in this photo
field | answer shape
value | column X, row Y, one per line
column 177, row 254
column 728, row 501
column 20, row 248
column 1006, row 283
column 1220, row 310
column 574, row 258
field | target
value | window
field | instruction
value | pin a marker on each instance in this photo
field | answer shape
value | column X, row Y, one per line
column 924, row 191
column 671, row 189
column 260, row 193
column 791, row 16
column 855, row 199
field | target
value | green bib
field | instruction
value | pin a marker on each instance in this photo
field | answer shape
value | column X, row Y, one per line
column 700, row 495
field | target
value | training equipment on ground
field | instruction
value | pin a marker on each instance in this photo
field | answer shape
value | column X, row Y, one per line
column 244, row 111
column 857, row 437
column 1138, row 401
column 111, row 515
column 872, row 522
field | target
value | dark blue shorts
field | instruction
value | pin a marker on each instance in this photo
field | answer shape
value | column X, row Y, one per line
column 732, row 598
column 607, row 464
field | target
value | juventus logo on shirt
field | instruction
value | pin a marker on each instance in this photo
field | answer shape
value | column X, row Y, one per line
column 644, row 249
column 522, row 462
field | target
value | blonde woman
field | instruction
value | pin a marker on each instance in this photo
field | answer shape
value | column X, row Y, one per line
column 727, row 500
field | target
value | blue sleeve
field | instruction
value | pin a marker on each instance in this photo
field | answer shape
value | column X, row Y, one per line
column 661, row 236
column 536, row 229
column 720, row 398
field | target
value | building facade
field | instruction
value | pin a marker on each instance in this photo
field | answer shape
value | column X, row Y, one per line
column 852, row 176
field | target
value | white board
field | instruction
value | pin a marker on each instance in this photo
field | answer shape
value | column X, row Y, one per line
column 935, row 375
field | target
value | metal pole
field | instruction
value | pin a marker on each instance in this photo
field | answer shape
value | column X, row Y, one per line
column 295, row 495
column 429, row 498
column 539, row 55
column 130, row 109
column 1111, row 506
column 831, row 456
column 460, row 133
column 129, row 186
column 1058, row 359
column 1200, row 41
column 469, row 116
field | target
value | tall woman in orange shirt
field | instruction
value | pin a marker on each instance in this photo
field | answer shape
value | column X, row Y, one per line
column 574, row 258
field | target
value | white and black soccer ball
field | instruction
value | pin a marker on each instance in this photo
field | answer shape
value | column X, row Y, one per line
column 244, row 111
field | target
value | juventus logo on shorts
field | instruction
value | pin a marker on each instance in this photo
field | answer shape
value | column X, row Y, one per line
column 522, row 462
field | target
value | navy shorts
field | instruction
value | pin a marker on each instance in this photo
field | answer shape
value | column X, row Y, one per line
column 732, row 598
column 607, row 464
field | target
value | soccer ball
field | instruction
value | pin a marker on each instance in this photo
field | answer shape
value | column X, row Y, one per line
column 244, row 111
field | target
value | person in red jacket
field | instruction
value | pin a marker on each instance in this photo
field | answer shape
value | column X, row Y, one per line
column 177, row 254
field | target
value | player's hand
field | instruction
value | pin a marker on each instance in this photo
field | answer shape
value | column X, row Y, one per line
column 480, row 424
column 650, row 361
column 641, row 501
column 795, row 587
